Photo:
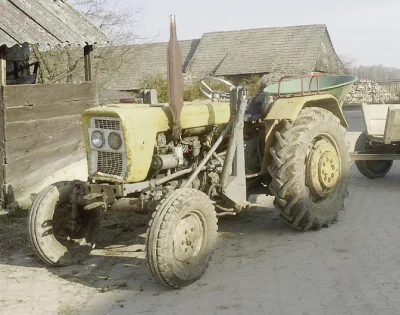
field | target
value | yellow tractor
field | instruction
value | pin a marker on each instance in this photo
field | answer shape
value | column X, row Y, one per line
column 190, row 163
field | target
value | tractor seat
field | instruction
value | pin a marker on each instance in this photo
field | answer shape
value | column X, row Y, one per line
column 258, row 107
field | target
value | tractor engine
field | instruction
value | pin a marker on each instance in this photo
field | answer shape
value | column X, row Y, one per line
column 170, row 158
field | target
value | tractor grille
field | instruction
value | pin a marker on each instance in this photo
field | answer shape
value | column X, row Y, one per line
column 110, row 163
column 109, row 124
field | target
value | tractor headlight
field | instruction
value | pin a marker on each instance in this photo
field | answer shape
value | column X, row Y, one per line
column 114, row 140
column 97, row 139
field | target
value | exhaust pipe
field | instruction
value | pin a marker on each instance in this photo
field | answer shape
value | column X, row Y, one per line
column 175, row 79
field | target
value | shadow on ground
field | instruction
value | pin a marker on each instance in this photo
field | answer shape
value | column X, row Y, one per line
column 118, row 262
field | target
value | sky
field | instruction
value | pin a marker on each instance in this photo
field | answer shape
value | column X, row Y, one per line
column 367, row 31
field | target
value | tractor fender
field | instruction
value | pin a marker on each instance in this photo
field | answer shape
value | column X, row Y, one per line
column 289, row 108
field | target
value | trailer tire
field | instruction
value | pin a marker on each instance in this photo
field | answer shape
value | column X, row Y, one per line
column 181, row 237
column 370, row 169
column 310, row 169
column 49, row 236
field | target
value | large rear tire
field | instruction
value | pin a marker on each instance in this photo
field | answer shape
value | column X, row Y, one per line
column 310, row 169
column 56, row 237
column 370, row 169
column 180, row 238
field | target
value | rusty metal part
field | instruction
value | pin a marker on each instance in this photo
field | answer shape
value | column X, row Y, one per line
column 359, row 156
column 92, row 196
column 76, row 200
column 175, row 79
column 226, row 214
column 323, row 168
column 110, row 192
column 208, row 156
column 158, row 182
column 95, row 201
column 96, row 205
column 302, row 77
column 136, row 205
column 224, row 209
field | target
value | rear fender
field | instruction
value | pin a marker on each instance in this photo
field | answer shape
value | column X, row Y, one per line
column 289, row 109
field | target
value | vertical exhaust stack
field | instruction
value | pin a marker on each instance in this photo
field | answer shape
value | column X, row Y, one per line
column 175, row 79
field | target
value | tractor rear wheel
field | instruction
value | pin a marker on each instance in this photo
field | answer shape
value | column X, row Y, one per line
column 180, row 238
column 370, row 169
column 310, row 169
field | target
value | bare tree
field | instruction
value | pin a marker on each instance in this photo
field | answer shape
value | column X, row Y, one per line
column 118, row 21
column 348, row 62
column 376, row 73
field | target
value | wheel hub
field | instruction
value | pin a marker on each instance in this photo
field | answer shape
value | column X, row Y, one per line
column 188, row 238
column 323, row 168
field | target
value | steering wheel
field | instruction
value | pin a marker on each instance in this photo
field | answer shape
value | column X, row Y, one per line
column 211, row 91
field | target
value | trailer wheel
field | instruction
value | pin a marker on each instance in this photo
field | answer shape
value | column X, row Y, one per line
column 180, row 238
column 310, row 169
column 56, row 237
column 370, row 169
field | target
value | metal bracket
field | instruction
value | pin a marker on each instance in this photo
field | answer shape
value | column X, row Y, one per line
column 233, row 177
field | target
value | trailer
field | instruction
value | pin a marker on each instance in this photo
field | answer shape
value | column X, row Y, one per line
column 379, row 145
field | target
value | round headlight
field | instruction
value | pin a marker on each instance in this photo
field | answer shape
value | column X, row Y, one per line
column 97, row 139
column 114, row 140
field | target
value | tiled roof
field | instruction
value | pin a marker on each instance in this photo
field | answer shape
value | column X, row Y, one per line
column 284, row 49
column 141, row 61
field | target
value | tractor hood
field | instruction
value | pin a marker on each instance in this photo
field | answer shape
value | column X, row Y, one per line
column 139, row 125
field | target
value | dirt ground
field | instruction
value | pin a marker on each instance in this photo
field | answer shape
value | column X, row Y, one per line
column 260, row 266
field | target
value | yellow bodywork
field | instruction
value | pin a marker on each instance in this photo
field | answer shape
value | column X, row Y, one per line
column 140, row 125
column 289, row 108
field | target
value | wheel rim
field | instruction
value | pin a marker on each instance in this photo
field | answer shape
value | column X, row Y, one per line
column 323, row 167
column 189, row 238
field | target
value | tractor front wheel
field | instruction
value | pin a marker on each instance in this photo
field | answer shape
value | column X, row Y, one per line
column 310, row 169
column 180, row 238
column 61, row 232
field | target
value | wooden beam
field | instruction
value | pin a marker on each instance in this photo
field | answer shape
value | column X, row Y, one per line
column 24, row 147
column 3, row 81
column 88, row 62
column 21, row 129
column 26, row 165
column 48, row 94
column 3, row 70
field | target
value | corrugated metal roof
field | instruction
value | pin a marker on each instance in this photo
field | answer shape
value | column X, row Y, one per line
column 45, row 22
column 287, row 49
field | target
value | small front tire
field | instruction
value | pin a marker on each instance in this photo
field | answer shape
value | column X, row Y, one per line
column 181, row 237
column 56, row 238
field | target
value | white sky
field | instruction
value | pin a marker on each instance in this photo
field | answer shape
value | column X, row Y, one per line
column 368, row 31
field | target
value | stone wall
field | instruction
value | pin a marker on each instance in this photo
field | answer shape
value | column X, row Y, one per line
column 365, row 91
